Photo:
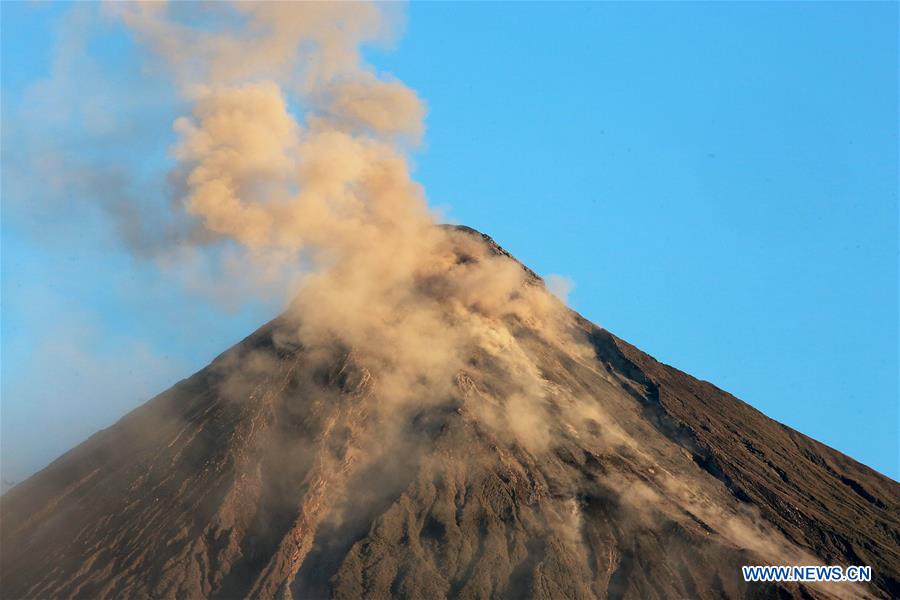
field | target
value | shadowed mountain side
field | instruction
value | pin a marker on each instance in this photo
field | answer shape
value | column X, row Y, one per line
column 277, row 471
column 844, row 511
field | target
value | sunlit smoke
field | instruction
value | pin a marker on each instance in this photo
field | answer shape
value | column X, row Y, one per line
column 296, row 150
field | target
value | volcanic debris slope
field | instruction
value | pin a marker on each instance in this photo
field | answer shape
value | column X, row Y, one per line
column 276, row 484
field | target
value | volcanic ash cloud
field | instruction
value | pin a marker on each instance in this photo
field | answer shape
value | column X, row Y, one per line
column 295, row 151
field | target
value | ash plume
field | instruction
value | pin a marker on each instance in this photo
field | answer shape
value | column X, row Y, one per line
column 295, row 151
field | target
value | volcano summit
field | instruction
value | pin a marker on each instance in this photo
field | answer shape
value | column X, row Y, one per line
column 550, row 461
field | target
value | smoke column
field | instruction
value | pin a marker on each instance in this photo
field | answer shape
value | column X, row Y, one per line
column 295, row 151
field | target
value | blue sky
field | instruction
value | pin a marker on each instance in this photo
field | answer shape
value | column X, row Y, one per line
column 719, row 180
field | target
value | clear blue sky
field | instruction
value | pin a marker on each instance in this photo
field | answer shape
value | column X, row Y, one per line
column 720, row 181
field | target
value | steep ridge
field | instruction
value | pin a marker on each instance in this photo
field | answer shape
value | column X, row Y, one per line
column 273, row 473
column 818, row 497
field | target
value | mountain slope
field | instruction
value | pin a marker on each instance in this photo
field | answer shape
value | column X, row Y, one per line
column 277, row 472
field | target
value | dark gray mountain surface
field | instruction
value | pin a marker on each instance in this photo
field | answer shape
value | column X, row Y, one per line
column 265, row 475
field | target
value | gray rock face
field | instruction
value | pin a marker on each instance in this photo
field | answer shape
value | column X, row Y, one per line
column 272, row 475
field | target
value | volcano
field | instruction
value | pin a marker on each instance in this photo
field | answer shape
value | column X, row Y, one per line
column 275, row 472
